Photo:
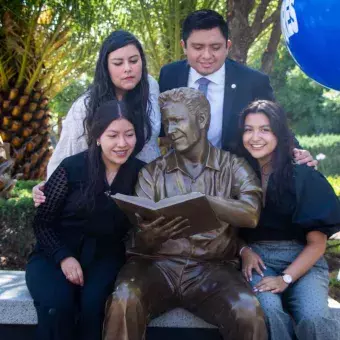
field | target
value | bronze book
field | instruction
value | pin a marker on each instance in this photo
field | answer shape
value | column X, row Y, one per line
column 194, row 206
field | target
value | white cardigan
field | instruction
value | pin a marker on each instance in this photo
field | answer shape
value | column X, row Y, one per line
column 72, row 140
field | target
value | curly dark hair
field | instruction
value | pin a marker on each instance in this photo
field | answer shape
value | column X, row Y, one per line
column 282, row 161
column 102, row 89
column 193, row 99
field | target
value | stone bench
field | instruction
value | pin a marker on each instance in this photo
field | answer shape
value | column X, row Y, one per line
column 16, row 307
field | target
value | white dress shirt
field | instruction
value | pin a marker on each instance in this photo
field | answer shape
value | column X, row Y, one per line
column 73, row 140
column 215, row 96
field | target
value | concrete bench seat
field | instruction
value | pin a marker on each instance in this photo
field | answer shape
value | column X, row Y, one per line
column 16, row 306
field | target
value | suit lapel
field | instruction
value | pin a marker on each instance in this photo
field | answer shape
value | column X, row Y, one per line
column 183, row 76
column 230, row 88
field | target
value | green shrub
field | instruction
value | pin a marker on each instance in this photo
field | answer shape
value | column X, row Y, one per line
column 333, row 247
column 328, row 145
column 335, row 183
column 16, row 215
column 333, row 282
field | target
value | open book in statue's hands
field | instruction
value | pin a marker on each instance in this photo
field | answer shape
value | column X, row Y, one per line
column 194, row 207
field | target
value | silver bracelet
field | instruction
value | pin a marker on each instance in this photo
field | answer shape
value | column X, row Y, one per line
column 240, row 252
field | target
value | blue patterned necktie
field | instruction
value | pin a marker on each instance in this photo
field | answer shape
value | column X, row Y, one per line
column 203, row 85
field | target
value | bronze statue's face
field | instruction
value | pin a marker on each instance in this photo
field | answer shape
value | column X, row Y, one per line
column 181, row 127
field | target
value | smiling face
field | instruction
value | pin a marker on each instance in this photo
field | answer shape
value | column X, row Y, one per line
column 183, row 129
column 258, row 137
column 206, row 50
column 118, row 142
column 125, row 69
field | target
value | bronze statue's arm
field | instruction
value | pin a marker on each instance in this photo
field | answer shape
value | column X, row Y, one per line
column 243, row 210
column 150, row 235
column 236, row 212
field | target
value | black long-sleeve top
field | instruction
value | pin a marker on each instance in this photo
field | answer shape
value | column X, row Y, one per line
column 309, row 205
column 66, row 225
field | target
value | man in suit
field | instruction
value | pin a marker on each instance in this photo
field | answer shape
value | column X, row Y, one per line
column 228, row 85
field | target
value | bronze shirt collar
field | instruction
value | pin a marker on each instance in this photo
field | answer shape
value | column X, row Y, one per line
column 174, row 162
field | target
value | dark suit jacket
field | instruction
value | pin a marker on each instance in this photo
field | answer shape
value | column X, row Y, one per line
column 250, row 85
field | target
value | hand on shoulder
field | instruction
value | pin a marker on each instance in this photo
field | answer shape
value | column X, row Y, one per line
column 304, row 157
column 38, row 194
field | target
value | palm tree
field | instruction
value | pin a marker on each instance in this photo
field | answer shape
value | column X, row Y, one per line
column 7, row 183
column 44, row 44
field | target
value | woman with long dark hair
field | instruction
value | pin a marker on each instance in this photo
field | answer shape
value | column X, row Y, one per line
column 283, row 259
column 80, row 230
column 121, row 74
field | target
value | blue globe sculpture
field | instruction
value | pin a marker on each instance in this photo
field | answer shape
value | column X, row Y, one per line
column 311, row 29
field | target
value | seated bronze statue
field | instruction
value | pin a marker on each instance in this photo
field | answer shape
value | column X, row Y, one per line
column 198, row 273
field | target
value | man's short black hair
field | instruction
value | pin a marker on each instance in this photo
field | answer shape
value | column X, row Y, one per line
column 203, row 19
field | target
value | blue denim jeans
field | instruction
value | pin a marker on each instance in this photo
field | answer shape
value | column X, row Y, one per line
column 304, row 301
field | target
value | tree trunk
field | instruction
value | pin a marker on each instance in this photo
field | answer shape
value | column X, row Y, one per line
column 239, row 29
column 60, row 126
column 269, row 54
column 243, row 33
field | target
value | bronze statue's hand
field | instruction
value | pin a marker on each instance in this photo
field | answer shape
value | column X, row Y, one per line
column 160, row 230
column 251, row 261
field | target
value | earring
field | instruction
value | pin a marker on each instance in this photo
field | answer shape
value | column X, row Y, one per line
column 98, row 143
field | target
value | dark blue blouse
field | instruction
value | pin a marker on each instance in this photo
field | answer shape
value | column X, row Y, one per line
column 309, row 205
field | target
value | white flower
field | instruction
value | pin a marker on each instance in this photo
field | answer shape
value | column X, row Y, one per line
column 320, row 157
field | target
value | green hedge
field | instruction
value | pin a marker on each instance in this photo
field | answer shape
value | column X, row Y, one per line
column 328, row 145
column 16, row 235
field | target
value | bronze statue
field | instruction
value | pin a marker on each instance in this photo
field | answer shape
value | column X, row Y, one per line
column 198, row 273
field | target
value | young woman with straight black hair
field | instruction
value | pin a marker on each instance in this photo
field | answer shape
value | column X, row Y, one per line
column 80, row 230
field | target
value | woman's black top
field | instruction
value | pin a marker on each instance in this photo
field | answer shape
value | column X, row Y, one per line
column 71, row 224
column 310, row 204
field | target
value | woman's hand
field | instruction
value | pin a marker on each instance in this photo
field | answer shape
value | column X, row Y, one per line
column 38, row 194
column 72, row 270
column 250, row 261
column 273, row 284
column 304, row 157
